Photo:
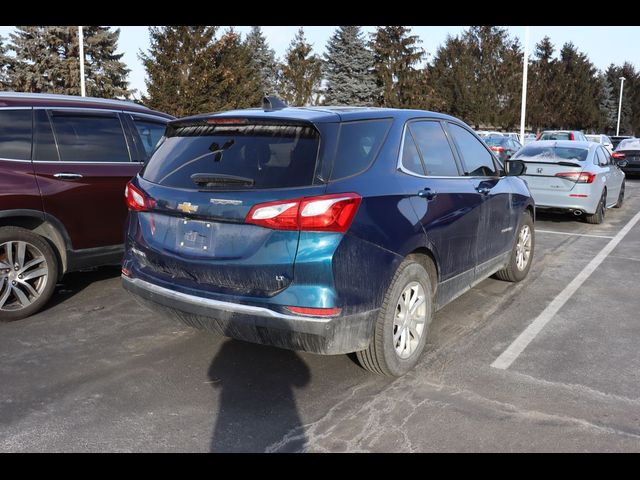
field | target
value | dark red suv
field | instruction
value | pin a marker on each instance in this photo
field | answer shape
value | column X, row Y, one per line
column 64, row 165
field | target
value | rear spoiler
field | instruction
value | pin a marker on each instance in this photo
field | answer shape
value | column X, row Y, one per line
column 563, row 163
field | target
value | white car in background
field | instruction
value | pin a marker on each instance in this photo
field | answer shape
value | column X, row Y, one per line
column 602, row 140
column 573, row 176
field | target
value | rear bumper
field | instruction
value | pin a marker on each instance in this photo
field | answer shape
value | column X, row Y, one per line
column 329, row 336
column 562, row 201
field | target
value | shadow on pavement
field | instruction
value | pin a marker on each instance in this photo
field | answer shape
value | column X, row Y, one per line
column 73, row 283
column 257, row 404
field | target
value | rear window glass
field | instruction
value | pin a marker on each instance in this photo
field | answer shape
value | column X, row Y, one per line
column 15, row 134
column 358, row 146
column 235, row 156
column 629, row 144
column 495, row 141
column 535, row 152
column 555, row 136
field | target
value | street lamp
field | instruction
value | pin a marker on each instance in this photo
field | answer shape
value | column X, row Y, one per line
column 81, row 43
column 622, row 79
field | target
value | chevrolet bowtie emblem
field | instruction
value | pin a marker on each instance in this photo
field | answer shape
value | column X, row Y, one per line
column 186, row 207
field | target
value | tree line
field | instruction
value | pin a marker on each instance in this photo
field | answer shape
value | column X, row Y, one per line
column 476, row 75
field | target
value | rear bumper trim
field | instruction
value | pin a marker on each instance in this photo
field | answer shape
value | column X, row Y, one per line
column 332, row 335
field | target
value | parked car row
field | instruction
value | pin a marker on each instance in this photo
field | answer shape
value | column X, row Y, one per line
column 329, row 230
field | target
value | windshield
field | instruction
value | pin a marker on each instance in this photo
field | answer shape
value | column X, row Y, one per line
column 629, row 144
column 247, row 155
column 535, row 153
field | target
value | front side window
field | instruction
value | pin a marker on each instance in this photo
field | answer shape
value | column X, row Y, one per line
column 89, row 138
column 15, row 134
column 434, row 148
column 477, row 159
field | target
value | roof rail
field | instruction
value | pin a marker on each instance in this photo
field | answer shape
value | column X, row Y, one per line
column 55, row 96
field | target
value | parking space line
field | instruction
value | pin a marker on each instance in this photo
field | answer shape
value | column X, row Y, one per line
column 577, row 234
column 512, row 352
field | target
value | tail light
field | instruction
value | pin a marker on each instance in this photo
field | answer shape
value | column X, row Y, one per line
column 538, row 136
column 497, row 149
column 136, row 200
column 325, row 213
column 571, row 136
column 578, row 177
column 618, row 155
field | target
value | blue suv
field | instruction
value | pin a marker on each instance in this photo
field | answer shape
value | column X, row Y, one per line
column 328, row 230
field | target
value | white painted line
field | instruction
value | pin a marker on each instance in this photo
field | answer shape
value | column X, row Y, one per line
column 577, row 234
column 512, row 352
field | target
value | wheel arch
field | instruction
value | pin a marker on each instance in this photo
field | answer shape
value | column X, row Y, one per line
column 47, row 226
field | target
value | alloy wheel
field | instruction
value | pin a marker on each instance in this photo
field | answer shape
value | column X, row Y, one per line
column 23, row 275
column 410, row 319
column 523, row 247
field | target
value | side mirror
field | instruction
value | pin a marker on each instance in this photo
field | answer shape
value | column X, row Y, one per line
column 515, row 168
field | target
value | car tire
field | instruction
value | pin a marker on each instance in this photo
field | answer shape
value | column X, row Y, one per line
column 598, row 217
column 15, row 289
column 620, row 196
column 389, row 353
column 522, row 252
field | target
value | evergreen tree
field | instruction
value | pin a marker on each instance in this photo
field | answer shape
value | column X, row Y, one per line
column 577, row 76
column 349, row 69
column 607, row 106
column 4, row 66
column 545, row 92
column 47, row 60
column 237, row 82
column 301, row 73
column 180, row 69
column 265, row 60
column 396, row 59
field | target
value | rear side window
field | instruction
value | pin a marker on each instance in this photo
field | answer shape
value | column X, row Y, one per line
column 150, row 133
column 434, row 148
column 90, row 138
column 477, row 159
column 15, row 134
column 44, row 145
column 410, row 156
column 358, row 145
column 235, row 156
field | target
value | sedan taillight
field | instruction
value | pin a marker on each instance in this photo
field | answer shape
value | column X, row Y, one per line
column 325, row 213
column 578, row 177
column 618, row 155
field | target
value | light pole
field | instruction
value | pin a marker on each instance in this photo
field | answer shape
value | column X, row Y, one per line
column 81, row 42
column 622, row 79
column 525, row 67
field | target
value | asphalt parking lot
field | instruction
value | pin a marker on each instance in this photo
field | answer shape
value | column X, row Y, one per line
column 96, row 372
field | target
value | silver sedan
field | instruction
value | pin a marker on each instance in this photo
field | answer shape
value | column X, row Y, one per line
column 575, row 176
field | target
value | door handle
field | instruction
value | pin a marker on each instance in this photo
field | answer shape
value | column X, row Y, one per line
column 67, row 176
column 483, row 190
column 427, row 193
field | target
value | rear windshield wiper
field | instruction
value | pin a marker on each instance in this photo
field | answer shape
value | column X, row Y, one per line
column 218, row 180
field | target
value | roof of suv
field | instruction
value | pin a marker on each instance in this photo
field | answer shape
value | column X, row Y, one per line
column 323, row 114
column 18, row 99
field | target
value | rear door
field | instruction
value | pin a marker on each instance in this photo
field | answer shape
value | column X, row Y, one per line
column 612, row 175
column 204, row 180
column 446, row 202
column 498, row 221
column 82, row 162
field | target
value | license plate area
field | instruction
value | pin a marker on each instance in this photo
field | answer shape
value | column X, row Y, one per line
column 194, row 236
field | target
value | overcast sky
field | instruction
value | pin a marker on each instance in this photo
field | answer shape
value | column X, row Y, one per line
column 603, row 45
